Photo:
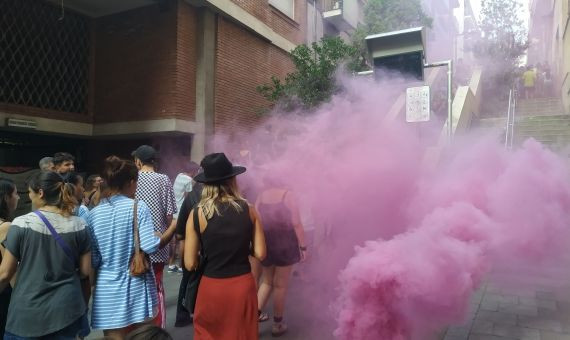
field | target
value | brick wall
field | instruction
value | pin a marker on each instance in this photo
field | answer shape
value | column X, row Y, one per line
column 291, row 29
column 186, row 61
column 257, row 8
column 138, row 73
column 243, row 61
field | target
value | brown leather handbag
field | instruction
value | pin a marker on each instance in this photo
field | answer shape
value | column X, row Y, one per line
column 139, row 263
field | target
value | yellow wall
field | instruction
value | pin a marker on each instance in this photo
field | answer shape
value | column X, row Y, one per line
column 566, row 56
column 562, row 48
column 550, row 39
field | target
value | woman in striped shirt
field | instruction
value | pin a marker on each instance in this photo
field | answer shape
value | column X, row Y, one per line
column 121, row 302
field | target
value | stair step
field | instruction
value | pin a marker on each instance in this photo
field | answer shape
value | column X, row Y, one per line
column 539, row 101
column 551, row 117
column 543, row 132
column 491, row 122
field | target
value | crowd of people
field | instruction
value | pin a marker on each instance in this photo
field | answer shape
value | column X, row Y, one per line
column 536, row 81
column 92, row 252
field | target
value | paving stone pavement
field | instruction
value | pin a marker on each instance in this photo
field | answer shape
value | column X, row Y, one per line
column 516, row 304
column 519, row 304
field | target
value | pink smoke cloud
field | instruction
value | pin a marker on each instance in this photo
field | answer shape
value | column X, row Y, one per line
column 425, row 238
column 485, row 206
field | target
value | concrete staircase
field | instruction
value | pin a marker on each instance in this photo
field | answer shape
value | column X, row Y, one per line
column 552, row 131
column 539, row 107
column 541, row 119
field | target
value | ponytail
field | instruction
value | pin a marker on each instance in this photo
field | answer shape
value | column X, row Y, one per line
column 68, row 202
column 56, row 191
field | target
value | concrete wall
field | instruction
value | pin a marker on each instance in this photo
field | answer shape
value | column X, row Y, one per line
column 465, row 108
column 350, row 11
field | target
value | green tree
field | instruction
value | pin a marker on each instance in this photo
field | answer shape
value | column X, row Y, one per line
column 382, row 16
column 314, row 79
column 503, row 41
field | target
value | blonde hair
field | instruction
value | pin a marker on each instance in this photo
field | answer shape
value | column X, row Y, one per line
column 215, row 194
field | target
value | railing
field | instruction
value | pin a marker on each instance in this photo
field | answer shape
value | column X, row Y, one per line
column 330, row 5
column 510, row 125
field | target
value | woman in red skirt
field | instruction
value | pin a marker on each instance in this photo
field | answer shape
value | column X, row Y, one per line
column 226, row 230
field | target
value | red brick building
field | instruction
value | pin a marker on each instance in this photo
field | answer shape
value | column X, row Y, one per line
column 101, row 76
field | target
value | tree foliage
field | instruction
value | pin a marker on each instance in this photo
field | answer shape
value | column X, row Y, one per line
column 504, row 39
column 382, row 16
column 313, row 81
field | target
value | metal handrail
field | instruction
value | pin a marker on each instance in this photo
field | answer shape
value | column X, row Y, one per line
column 513, row 117
column 510, row 125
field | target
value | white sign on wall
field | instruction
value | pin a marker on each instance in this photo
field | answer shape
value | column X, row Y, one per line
column 417, row 104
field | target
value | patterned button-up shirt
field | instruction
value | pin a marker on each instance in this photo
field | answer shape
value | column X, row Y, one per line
column 156, row 191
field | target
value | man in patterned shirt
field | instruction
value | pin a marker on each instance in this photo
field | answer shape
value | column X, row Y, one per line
column 156, row 191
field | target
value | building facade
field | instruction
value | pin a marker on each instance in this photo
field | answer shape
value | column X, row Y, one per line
column 549, row 42
column 97, row 77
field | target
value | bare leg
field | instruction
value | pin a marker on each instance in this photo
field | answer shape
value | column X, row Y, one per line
column 280, row 285
column 172, row 247
column 266, row 286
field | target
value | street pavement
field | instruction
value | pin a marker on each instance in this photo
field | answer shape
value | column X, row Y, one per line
column 523, row 303
column 513, row 304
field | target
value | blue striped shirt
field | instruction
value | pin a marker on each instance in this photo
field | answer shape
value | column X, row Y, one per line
column 82, row 211
column 119, row 299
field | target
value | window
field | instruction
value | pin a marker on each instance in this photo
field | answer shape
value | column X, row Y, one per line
column 44, row 60
column 287, row 7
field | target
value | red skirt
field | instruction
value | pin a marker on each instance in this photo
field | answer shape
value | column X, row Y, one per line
column 226, row 309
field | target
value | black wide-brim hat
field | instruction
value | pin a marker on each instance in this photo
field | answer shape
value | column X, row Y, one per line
column 217, row 167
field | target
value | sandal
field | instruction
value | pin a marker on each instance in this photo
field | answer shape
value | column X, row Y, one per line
column 278, row 329
column 262, row 317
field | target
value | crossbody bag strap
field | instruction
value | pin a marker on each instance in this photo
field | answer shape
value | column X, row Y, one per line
column 136, row 237
column 57, row 237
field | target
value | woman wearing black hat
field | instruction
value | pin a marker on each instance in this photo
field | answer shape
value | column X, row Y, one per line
column 226, row 230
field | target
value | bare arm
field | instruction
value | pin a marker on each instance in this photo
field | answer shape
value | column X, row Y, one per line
column 169, row 233
column 3, row 232
column 85, row 265
column 7, row 269
column 191, row 245
column 259, row 248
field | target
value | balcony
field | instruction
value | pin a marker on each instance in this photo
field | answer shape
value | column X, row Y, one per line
column 343, row 15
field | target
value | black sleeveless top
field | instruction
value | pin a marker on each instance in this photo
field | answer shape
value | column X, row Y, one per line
column 276, row 216
column 227, row 242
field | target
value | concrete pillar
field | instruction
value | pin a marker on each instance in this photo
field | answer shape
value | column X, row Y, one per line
column 206, row 57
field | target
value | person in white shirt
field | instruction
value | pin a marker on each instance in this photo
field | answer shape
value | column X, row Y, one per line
column 182, row 186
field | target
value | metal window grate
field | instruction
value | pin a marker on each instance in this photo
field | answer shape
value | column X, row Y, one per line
column 44, row 61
